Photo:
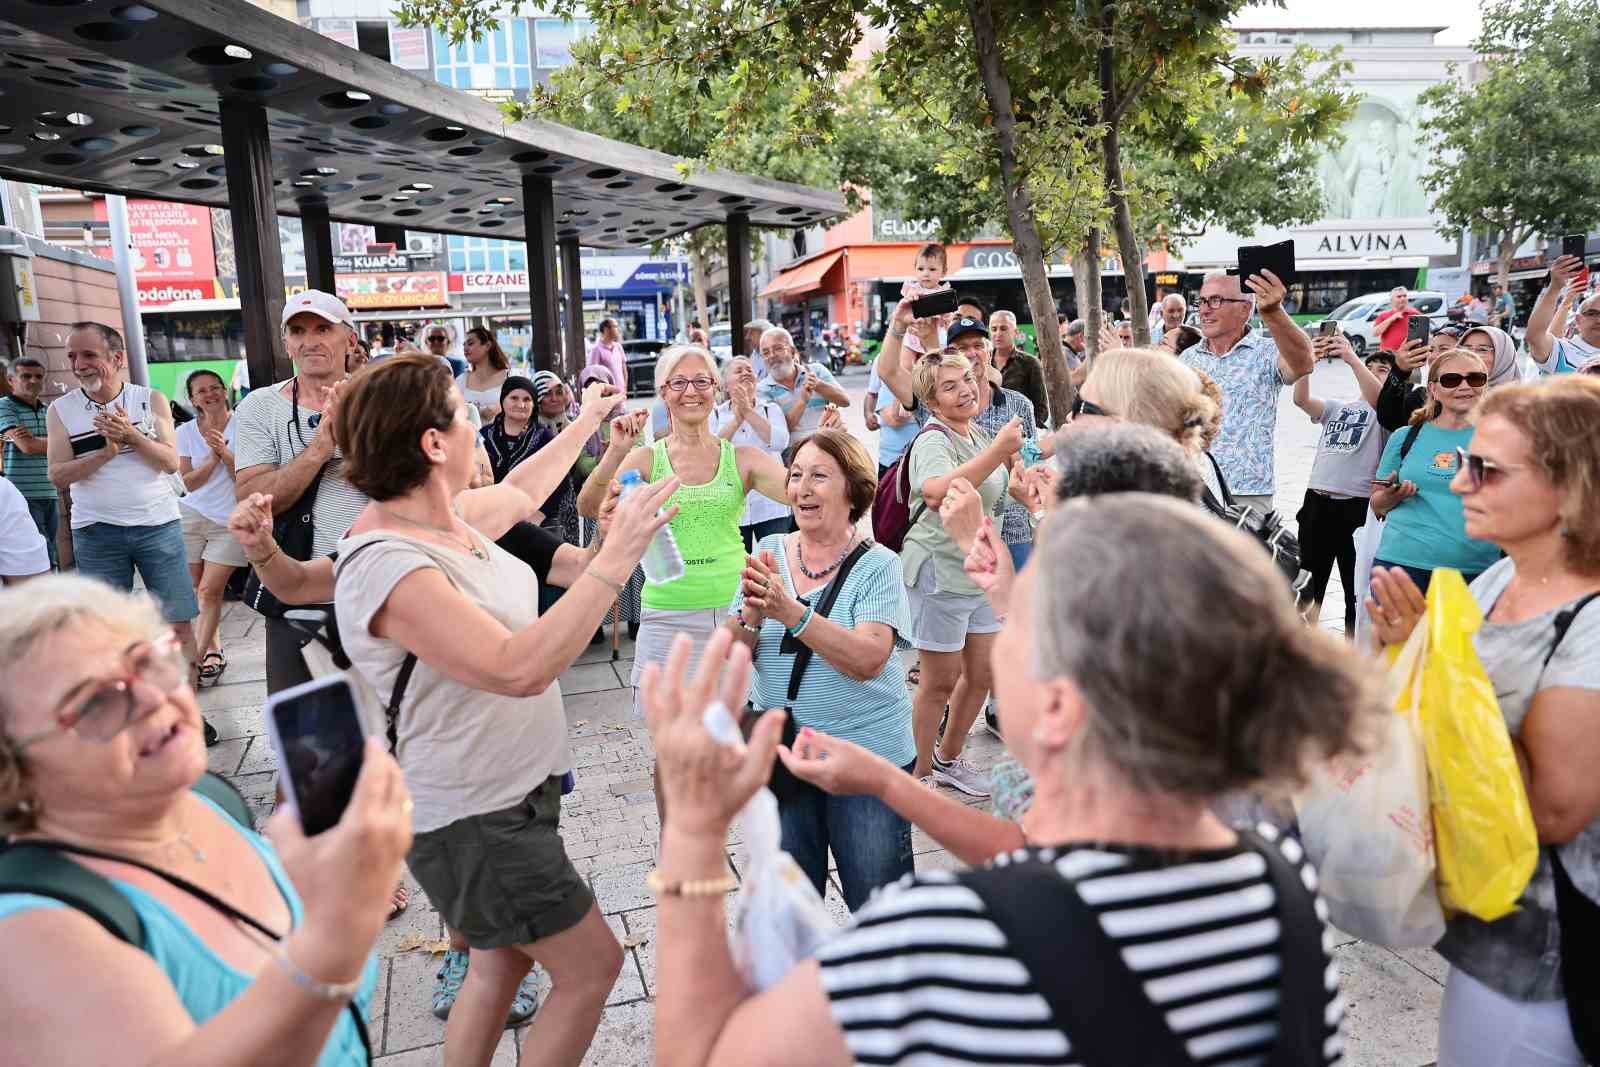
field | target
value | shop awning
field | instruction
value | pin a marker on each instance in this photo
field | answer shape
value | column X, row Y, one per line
column 807, row 277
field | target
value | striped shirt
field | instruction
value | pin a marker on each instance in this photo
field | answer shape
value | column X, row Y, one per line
column 30, row 474
column 1004, row 405
column 874, row 714
column 926, row 977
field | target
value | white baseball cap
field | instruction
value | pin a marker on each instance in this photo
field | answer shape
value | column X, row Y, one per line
column 319, row 303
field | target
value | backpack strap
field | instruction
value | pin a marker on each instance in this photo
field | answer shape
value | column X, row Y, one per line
column 391, row 710
column 802, row 655
column 1564, row 623
column 1410, row 439
column 222, row 793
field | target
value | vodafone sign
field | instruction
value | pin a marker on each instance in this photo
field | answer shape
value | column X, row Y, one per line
column 164, row 294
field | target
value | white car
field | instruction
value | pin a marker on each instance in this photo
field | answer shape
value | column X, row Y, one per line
column 1355, row 317
column 721, row 335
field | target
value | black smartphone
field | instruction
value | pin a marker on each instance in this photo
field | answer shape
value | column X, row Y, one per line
column 1573, row 244
column 83, row 444
column 1278, row 258
column 1419, row 329
column 938, row 302
column 317, row 735
column 1328, row 328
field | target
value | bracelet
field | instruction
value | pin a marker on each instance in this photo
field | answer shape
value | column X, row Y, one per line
column 805, row 620
column 339, row 991
column 897, row 331
column 615, row 587
column 691, row 887
column 268, row 558
column 738, row 617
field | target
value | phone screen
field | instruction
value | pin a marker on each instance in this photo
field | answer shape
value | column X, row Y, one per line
column 317, row 733
column 1327, row 328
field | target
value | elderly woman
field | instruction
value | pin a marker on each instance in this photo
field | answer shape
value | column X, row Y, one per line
column 422, row 590
column 487, row 368
column 1101, row 656
column 952, row 623
column 853, row 685
column 1529, row 485
column 716, row 476
column 1424, row 528
column 744, row 420
column 511, row 436
column 100, row 751
column 802, row 391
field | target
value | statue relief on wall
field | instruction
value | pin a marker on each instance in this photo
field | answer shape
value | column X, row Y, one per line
column 1374, row 173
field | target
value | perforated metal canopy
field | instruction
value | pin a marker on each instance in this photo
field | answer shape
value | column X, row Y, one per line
column 123, row 97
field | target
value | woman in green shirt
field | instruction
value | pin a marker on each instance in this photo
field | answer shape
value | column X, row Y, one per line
column 716, row 474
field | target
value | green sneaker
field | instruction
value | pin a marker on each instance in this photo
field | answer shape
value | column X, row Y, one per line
column 447, row 982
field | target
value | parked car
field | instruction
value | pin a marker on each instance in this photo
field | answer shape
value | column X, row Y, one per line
column 641, row 355
column 721, row 334
column 1355, row 317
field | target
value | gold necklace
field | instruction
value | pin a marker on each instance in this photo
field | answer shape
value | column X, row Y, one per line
column 468, row 545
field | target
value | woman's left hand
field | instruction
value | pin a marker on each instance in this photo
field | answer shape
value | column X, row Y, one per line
column 836, row 767
column 762, row 588
column 704, row 783
column 1395, row 606
column 831, row 419
column 961, row 512
column 988, row 564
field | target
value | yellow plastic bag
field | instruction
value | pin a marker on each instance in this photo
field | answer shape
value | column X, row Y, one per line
column 1483, row 828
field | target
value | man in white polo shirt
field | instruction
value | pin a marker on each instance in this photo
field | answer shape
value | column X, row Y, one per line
column 23, row 553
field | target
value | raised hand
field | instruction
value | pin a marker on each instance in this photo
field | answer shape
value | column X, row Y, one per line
column 1009, row 438
column 1269, row 291
column 961, row 512
column 251, row 523
column 599, row 401
column 625, row 429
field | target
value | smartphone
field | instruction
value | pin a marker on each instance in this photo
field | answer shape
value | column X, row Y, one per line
column 83, row 444
column 938, row 302
column 1328, row 328
column 317, row 735
column 1419, row 329
column 1574, row 244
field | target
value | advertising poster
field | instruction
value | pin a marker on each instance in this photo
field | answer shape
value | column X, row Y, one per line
column 423, row 288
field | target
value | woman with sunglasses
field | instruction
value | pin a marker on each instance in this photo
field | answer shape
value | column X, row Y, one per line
column 1529, row 482
column 1423, row 528
column 715, row 476
column 100, row 753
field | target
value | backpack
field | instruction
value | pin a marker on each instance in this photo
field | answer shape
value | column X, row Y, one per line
column 892, row 513
column 44, row 869
column 1268, row 530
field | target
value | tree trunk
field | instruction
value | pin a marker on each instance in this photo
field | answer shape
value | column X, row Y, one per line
column 1025, row 240
column 1086, row 279
column 1116, row 198
column 697, row 271
column 1508, row 248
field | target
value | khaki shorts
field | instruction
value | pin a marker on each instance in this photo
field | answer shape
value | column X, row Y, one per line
column 210, row 541
column 940, row 622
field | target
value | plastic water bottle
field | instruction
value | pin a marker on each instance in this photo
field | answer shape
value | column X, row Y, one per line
column 662, row 561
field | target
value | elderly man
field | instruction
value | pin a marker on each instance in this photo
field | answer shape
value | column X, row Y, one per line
column 1172, row 311
column 1390, row 326
column 1019, row 371
column 1571, row 353
column 1249, row 368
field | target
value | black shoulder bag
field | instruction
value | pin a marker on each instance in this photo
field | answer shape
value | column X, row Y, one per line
column 1577, row 915
column 295, row 530
column 783, row 783
column 1102, row 1006
column 1268, row 530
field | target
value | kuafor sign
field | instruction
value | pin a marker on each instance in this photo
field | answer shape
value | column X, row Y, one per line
column 165, row 294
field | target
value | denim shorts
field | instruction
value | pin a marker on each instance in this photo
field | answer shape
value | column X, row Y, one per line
column 110, row 553
column 940, row 622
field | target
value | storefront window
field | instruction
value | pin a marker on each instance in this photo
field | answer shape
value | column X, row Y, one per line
column 553, row 40
column 497, row 60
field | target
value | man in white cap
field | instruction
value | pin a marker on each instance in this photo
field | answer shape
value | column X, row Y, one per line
column 284, row 442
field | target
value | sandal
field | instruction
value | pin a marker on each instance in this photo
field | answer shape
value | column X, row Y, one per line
column 399, row 902
column 914, row 675
column 212, row 664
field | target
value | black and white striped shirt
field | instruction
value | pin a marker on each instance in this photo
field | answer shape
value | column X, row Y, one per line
column 926, row 977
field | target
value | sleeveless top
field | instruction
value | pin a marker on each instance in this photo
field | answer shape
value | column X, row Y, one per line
column 707, row 531
column 205, row 984
column 127, row 491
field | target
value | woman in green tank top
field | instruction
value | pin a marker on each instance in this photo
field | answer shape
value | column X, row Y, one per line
column 716, row 477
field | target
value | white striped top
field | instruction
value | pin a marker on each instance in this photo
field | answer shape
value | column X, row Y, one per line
column 925, row 977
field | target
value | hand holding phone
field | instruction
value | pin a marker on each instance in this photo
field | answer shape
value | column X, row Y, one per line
column 939, row 302
column 317, row 735
column 1419, row 329
column 1328, row 328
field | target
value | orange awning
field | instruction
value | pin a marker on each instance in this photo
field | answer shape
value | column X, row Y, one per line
column 808, row 277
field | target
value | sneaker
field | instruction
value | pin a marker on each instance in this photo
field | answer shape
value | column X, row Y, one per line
column 526, row 1002
column 210, row 732
column 447, row 982
column 961, row 775
column 991, row 721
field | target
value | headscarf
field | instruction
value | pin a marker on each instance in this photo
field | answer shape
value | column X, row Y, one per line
column 1504, row 371
column 516, row 381
column 543, row 382
column 595, row 372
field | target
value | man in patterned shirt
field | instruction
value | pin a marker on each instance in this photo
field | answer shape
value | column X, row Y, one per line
column 1249, row 367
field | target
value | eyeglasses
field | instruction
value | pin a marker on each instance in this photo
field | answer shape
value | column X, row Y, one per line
column 1453, row 379
column 1591, row 313
column 1080, row 406
column 1214, row 303
column 1478, row 350
column 1481, row 471
column 701, row 384
column 110, row 704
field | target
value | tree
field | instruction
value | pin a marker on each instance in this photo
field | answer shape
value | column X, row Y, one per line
column 1516, row 154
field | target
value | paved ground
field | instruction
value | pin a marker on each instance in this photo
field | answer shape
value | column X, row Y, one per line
column 610, row 828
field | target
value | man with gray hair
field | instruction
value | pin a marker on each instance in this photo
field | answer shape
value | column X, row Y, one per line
column 1171, row 312
column 752, row 345
column 22, row 427
column 1571, row 353
column 1019, row 372
column 1123, row 457
column 1249, row 368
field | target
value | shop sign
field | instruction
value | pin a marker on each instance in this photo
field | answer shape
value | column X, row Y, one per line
column 408, row 48
column 165, row 294
column 169, row 242
column 489, row 281
column 380, row 262
column 393, row 290
column 1362, row 243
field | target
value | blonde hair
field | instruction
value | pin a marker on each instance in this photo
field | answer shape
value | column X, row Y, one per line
column 1147, row 385
column 1558, row 419
column 1430, row 410
column 925, row 378
column 36, row 612
column 677, row 354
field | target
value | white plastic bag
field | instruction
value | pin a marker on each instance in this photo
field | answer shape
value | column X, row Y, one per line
column 1368, row 828
column 1367, row 540
column 778, row 920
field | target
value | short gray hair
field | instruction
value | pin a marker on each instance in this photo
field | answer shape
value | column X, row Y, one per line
column 1123, row 457
column 1075, row 327
column 112, row 338
column 1170, row 297
column 776, row 331
column 1225, row 276
column 1009, row 316
column 669, row 360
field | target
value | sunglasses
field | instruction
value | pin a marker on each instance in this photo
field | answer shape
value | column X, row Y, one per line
column 1080, row 406
column 109, row 705
column 1453, row 379
column 1481, row 471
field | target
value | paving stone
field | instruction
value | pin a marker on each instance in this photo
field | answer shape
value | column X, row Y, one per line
column 589, row 678
column 223, row 757
column 418, row 923
column 505, row 1055
column 410, row 1023
column 626, row 1037
column 620, row 890
column 236, row 723
column 1393, row 1008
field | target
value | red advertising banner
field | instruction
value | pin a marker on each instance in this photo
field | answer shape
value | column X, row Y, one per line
column 170, row 242
column 412, row 289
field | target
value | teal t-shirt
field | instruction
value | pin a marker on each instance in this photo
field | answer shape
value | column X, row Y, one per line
column 1429, row 530
column 204, row 983
column 875, row 714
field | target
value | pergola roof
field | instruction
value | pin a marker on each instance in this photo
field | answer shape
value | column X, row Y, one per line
column 122, row 97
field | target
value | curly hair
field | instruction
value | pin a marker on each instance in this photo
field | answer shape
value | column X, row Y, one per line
column 1147, row 385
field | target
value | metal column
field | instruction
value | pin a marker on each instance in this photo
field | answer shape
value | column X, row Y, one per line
column 572, row 287
column 318, row 238
column 738, row 280
column 247, row 154
column 127, row 289
column 539, row 210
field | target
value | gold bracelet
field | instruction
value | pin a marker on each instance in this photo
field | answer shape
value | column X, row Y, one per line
column 270, row 556
column 615, row 587
column 691, row 887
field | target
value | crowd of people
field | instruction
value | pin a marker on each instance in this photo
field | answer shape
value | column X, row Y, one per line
column 1060, row 575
